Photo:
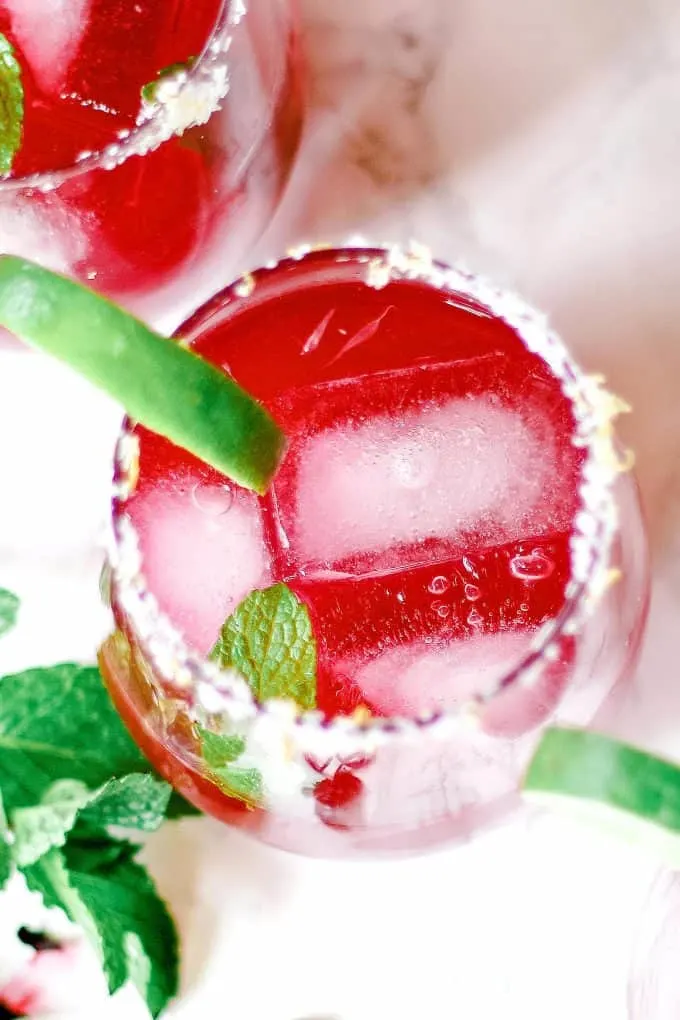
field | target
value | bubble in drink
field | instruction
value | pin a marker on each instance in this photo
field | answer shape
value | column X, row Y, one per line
column 532, row 567
column 438, row 585
column 213, row 500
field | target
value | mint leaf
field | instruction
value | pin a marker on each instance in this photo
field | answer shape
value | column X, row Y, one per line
column 97, row 851
column 69, row 772
column 6, row 855
column 59, row 723
column 9, row 603
column 50, row 877
column 150, row 91
column 11, row 105
column 39, row 829
column 115, row 901
column 178, row 807
column 241, row 784
column 130, row 918
column 138, row 964
column 269, row 640
column 219, row 753
column 138, row 801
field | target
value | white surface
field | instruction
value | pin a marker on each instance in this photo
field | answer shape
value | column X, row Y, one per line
column 539, row 142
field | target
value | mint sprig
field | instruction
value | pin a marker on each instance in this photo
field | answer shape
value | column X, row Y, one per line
column 137, row 801
column 136, row 932
column 220, row 754
column 59, row 723
column 6, row 863
column 39, row 829
column 269, row 641
column 150, row 91
column 117, row 905
column 69, row 775
column 9, row 609
column 11, row 105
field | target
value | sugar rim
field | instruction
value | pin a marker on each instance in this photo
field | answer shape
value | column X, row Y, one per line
column 184, row 99
column 595, row 524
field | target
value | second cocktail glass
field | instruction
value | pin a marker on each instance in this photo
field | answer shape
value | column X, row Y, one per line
column 154, row 203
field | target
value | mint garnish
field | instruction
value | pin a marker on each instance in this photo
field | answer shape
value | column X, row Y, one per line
column 69, row 774
column 37, row 830
column 269, row 640
column 150, row 91
column 11, row 105
column 116, row 903
column 220, row 753
column 59, row 723
column 6, row 864
column 137, row 801
column 50, row 877
column 133, row 925
column 9, row 607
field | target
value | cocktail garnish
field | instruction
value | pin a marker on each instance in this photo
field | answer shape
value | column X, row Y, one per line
column 11, row 105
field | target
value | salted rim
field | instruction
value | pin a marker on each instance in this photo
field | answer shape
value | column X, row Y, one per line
column 595, row 523
column 183, row 99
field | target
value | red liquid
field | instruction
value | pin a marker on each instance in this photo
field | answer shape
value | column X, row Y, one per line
column 82, row 100
column 414, row 603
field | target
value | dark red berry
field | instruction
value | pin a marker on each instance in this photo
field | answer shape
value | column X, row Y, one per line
column 339, row 790
column 339, row 801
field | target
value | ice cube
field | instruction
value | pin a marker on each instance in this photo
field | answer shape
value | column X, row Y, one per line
column 203, row 551
column 424, row 677
column 43, row 229
column 49, row 33
column 472, row 471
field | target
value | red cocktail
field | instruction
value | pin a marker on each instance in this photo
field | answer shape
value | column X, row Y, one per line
column 153, row 140
column 450, row 550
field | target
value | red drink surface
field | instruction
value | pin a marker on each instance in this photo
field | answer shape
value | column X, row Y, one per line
column 82, row 83
column 423, row 510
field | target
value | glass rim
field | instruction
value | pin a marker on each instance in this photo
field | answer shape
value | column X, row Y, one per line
column 184, row 98
column 594, row 526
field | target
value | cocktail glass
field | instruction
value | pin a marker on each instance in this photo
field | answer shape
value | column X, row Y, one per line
column 454, row 512
column 154, row 202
